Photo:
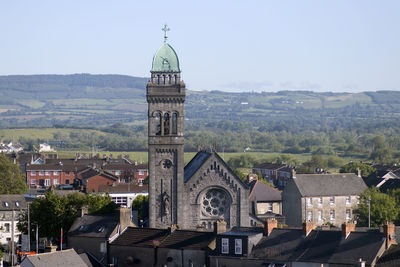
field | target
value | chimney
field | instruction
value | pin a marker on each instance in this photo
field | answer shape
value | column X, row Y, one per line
column 50, row 248
column 347, row 228
column 389, row 234
column 308, row 227
column 360, row 263
column 219, row 226
column 358, row 172
column 82, row 211
column 269, row 225
column 124, row 217
column 293, row 173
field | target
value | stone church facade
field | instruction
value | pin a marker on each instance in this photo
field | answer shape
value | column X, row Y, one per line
column 188, row 196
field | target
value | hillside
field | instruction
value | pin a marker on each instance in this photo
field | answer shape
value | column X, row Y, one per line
column 88, row 100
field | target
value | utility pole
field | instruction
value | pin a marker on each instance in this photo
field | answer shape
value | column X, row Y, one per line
column 29, row 231
column 369, row 211
column 12, row 238
column 37, row 239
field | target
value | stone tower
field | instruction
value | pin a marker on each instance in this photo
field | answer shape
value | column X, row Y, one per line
column 165, row 98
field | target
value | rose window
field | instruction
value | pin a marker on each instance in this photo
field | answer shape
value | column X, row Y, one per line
column 215, row 202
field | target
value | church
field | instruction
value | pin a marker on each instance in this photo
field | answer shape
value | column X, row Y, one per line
column 206, row 189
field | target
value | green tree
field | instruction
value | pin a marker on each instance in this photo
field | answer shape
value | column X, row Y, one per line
column 53, row 212
column 141, row 203
column 11, row 179
column 352, row 167
column 383, row 208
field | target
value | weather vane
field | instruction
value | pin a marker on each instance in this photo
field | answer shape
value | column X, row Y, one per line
column 165, row 29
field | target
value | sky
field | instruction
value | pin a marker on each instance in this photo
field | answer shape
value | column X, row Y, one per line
column 229, row 45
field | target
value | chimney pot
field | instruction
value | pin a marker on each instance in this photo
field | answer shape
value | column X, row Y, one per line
column 389, row 234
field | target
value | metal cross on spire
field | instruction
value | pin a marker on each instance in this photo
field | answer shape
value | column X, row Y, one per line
column 165, row 29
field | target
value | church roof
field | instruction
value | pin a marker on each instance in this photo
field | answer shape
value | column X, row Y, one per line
column 196, row 162
column 165, row 60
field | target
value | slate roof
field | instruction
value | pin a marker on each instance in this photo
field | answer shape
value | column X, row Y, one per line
column 65, row 258
column 196, row 162
column 124, row 188
column 390, row 184
column 390, row 258
column 324, row 246
column 329, row 184
column 94, row 226
column 262, row 192
column 93, row 172
column 178, row 239
column 12, row 202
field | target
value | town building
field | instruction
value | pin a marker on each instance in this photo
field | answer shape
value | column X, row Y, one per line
column 279, row 174
column 66, row 257
column 124, row 194
column 11, row 207
column 93, row 233
column 206, row 189
column 321, row 198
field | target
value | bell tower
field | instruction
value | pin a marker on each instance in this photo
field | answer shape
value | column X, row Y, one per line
column 165, row 98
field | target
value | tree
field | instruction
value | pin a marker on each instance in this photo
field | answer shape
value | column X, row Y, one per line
column 352, row 167
column 141, row 204
column 383, row 208
column 11, row 179
column 53, row 212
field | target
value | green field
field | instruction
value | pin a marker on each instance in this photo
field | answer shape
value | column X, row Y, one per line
column 40, row 133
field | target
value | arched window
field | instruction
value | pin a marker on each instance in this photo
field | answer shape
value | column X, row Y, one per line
column 169, row 79
column 163, row 79
column 166, row 123
column 176, row 79
column 174, row 123
column 158, row 78
column 158, row 124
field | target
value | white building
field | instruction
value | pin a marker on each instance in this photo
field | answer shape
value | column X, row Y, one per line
column 45, row 148
column 11, row 207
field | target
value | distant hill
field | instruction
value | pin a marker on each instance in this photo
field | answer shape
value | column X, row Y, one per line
column 95, row 100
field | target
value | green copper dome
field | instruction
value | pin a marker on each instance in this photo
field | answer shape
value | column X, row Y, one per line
column 165, row 60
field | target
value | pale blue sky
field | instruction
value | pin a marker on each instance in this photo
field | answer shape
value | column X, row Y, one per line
column 320, row 45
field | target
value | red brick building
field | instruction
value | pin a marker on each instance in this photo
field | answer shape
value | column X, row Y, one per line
column 92, row 179
column 46, row 175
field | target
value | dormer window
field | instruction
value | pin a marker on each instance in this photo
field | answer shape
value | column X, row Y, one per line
column 83, row 228
column 6, row 204
column 17, row 204
column 101, row 229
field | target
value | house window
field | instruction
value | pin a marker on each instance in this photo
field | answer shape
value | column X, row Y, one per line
column 348, row 215
column 7, row 227
column 33, row 173
column 174, row 123
column 269, row 207
column 17, row 204
column 225, row 245
column 41, row 173
column 238, row 246
column 47, row 173
column 47, row 182
column 141, row 172
column 309, row 216
column 320, row 201
column 320, row 215
column 55, row 181
column 66, row 181
column 33, row 181
column 117, row 172
column 332, row 215
column 348, row 200
column 141, row 181
column 332, row 200
column 120, row 200
column 55, row 172
column 158, row 124
column 309, row 201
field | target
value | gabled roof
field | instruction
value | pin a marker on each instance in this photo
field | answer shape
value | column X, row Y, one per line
column 262, row 192
column 178, row 239
column 390, row 184
column 197, row 161
column 324, row 246
column 93, row 172
column 12, row 202
column 67, row 258
column 329, row 184
column 94, row 226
